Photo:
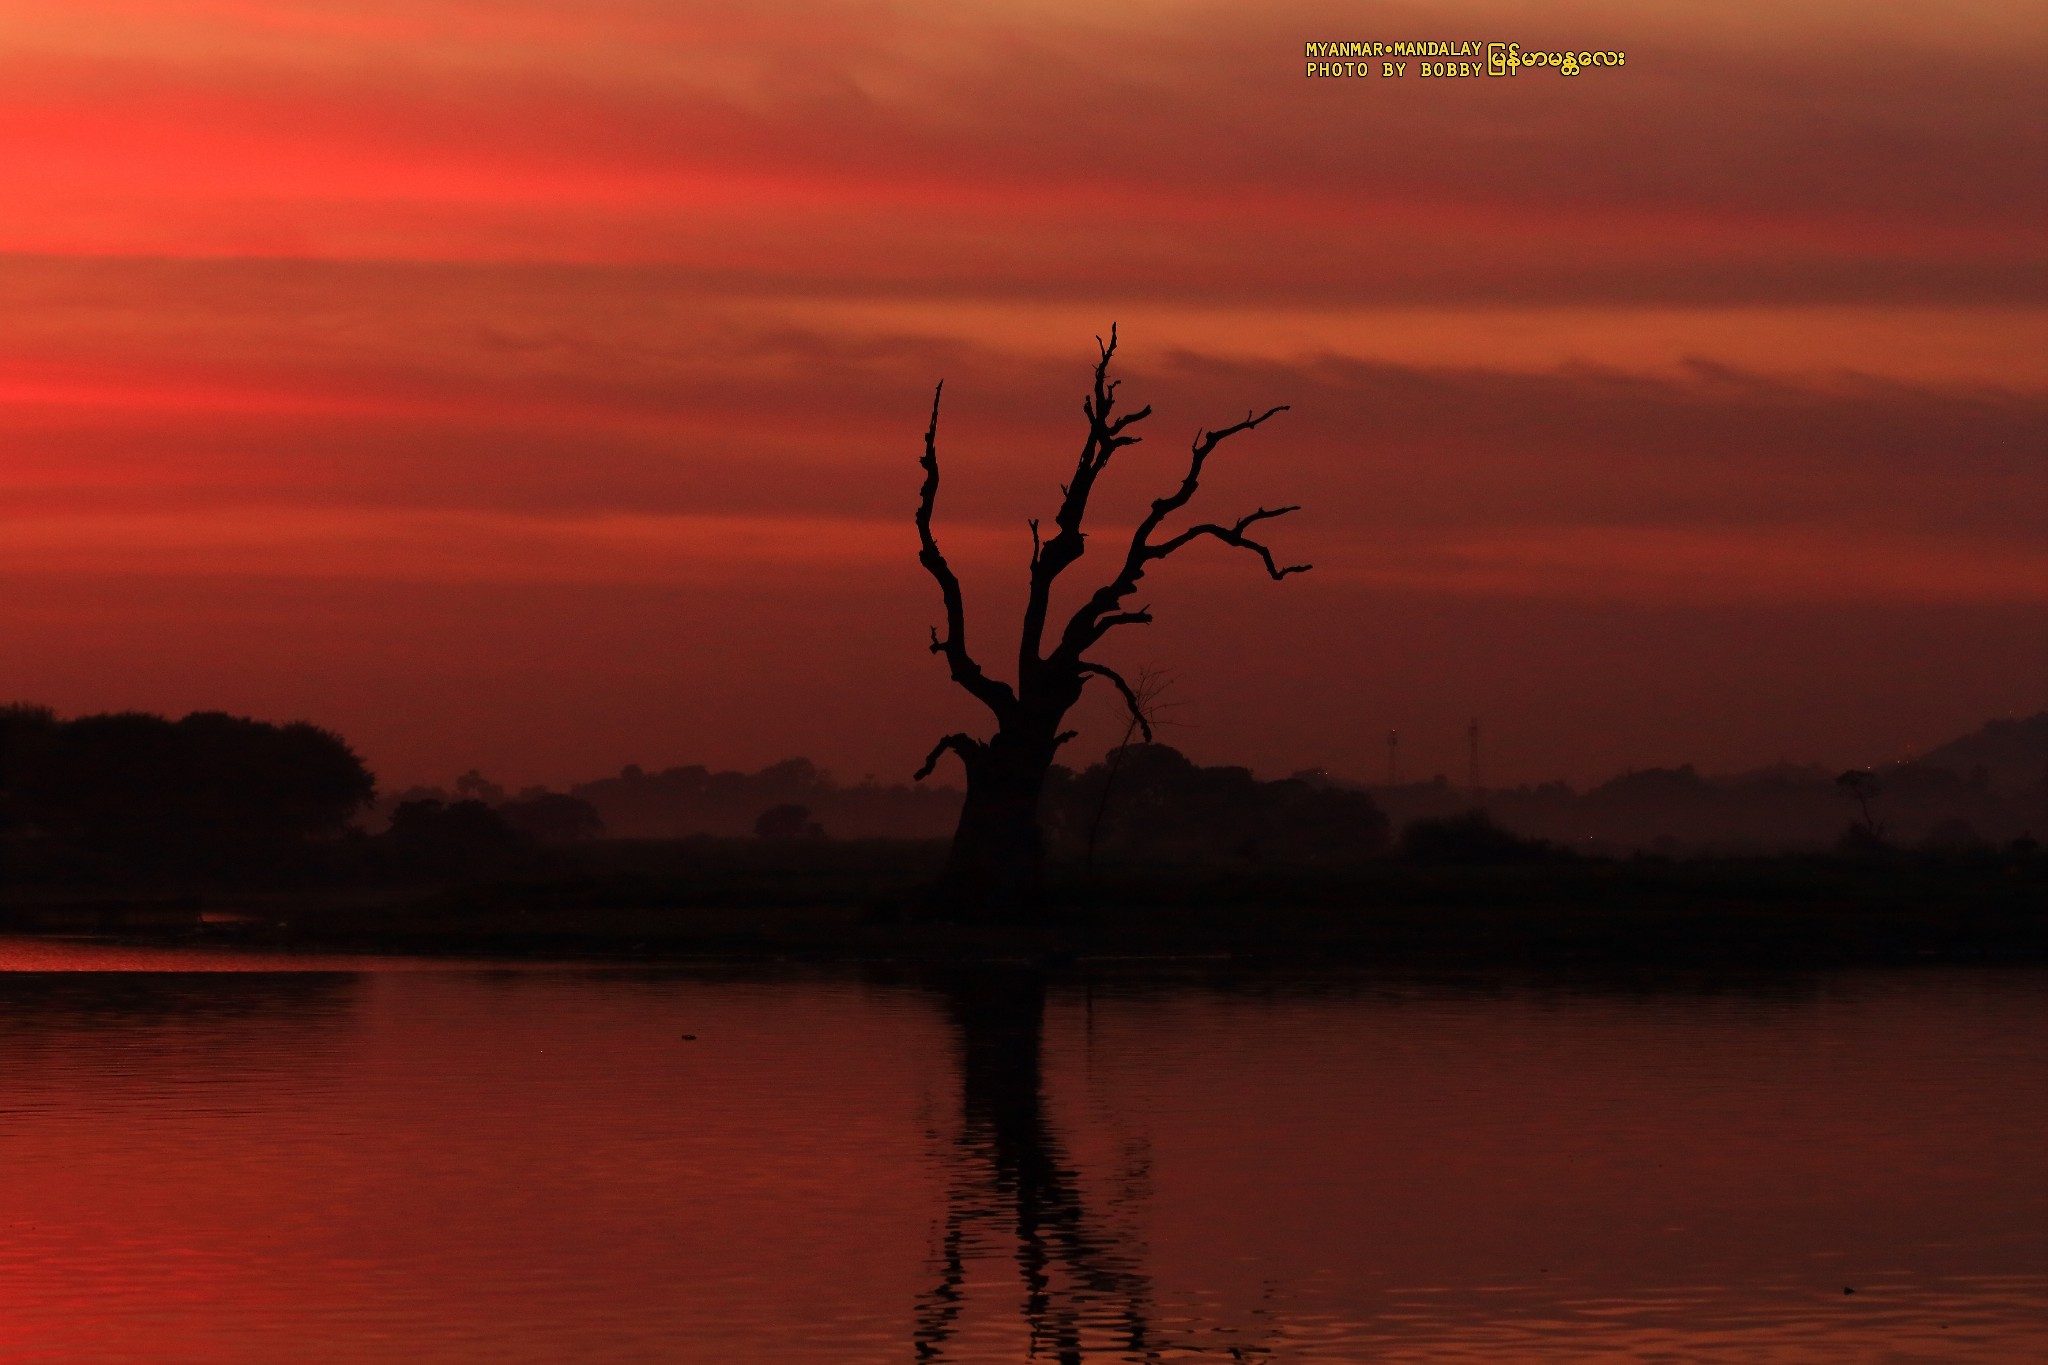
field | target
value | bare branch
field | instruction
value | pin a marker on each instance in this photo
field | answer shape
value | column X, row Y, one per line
column 963, row 745
column 966, row 672
column 1102, row 611
column 1140, row 617
column 1131, row 698
column 1234, row 535
column 1105, row 438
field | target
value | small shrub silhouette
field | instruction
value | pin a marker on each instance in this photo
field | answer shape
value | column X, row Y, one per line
column 1468, row 839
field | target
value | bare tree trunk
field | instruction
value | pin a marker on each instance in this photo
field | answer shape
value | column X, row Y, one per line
column 996, row 867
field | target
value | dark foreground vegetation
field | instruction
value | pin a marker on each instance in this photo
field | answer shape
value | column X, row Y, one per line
column 823, row 899
column 214, row 829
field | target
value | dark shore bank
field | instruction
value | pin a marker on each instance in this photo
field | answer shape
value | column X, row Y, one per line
column 858, row 902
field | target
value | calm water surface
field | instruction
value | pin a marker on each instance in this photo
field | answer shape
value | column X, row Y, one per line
column 222, row 1159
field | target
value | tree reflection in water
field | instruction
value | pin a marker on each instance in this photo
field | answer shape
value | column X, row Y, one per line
column 1011, row 1173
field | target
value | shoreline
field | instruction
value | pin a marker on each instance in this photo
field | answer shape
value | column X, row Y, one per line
column 1767, row 939
column 1796, row 912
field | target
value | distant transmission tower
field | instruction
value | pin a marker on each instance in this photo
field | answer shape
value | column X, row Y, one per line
column 1393, row 758
column 1472, row 736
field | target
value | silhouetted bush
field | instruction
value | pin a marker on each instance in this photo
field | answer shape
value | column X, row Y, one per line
column 27, row 734
column 1954, row 836
column 1862, row 840
column 446, row 839
column 552, row 818
column 134, row 794
column 1153, row 804
column 691, row 800
column 1469, row 839
column 788, row 821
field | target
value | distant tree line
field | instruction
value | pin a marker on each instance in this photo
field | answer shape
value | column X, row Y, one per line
column 1149, row 802
column 690, row 800
column 1143, row 802
column 131, row 798
column 1679, row 811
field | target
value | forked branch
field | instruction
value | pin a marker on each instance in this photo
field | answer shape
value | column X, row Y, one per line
column 964, row 745
column 1102, row 612
column 1234, row 535
column 1052, row 557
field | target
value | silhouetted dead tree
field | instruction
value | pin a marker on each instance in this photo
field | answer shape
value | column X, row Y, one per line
column 996, row 865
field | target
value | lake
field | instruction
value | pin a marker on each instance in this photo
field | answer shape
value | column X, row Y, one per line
column 212, row 1157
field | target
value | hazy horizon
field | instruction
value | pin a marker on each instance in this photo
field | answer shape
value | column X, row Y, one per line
column 1078, row 756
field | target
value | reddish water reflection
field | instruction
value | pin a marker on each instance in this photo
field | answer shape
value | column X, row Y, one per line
column 483, row 1165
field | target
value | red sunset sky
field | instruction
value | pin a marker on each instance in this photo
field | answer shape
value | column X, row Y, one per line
column 537, row 384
